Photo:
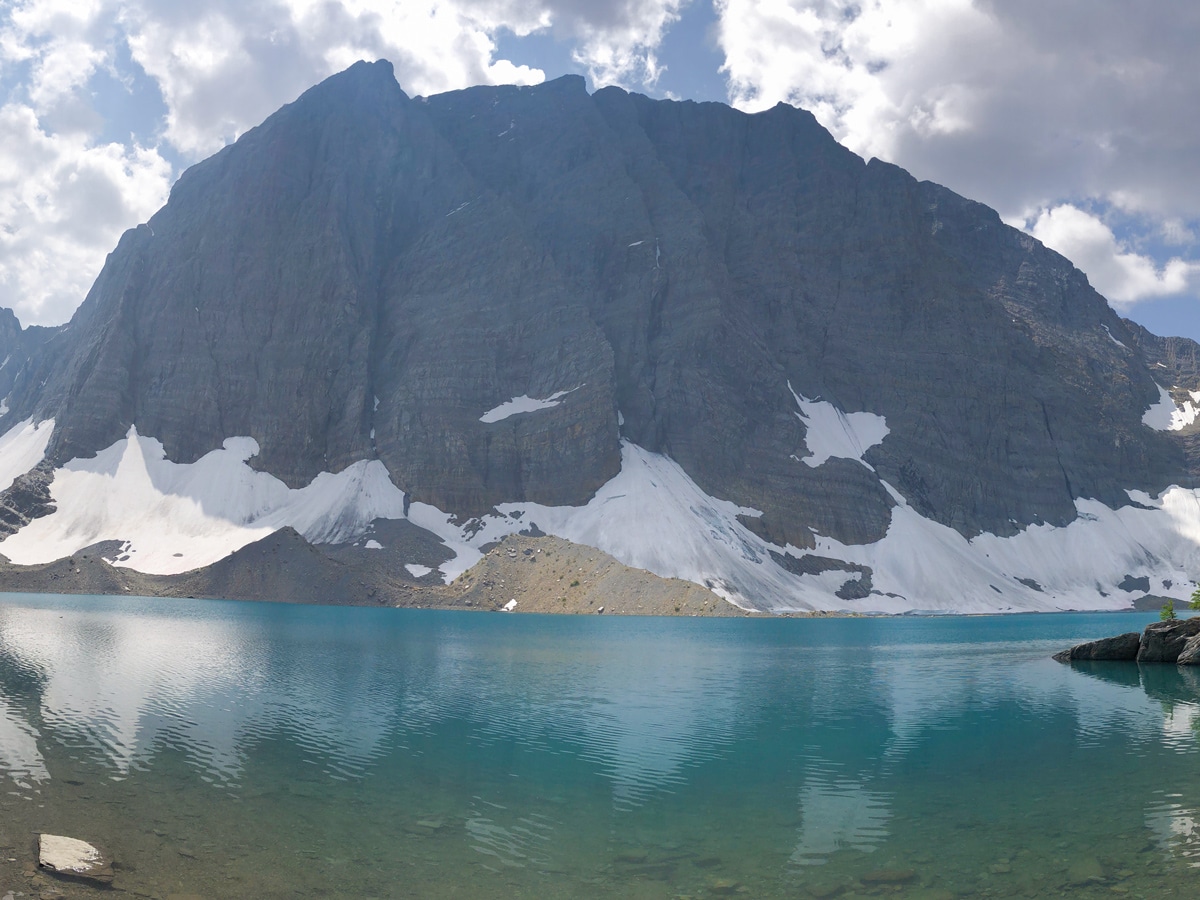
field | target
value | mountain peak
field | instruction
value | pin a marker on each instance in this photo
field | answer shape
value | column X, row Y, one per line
column 650, row 291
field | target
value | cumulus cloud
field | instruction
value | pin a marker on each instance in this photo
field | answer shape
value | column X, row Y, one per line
column 224, row 65
column 65, row 197
column 1021, row 104
column 1121, row 275
column 623, row 51
column 63, row 203
column 1016, row 103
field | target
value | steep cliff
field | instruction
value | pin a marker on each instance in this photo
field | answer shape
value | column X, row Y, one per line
column 496, row 293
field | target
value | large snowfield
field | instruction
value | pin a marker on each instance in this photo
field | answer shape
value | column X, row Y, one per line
column 170, row 517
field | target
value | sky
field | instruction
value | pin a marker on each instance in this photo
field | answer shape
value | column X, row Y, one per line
column 1076, row 120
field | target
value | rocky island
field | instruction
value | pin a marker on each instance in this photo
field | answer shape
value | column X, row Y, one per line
column 1172, row 641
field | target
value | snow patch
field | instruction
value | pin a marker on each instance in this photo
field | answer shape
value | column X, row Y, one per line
column 653, row 516
column 1166, row 415
column 373, row 545
column 4, row 407
column 21, row 448
column 177, row 517
column 1113, row 339
column 833, row 433
column 523, row 404
column 935, row 567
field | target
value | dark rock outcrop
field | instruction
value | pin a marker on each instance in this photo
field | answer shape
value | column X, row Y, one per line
column 1171, row 641
column 1190, row 654
column 1165, row 641
column 1122, row 647
column 1133, row 585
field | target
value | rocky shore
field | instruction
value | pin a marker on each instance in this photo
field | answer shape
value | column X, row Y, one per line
column 1173, row 641
column 396, row 567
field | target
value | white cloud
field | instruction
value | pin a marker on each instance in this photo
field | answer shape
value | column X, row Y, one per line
column 64, row 201
column 1021, row 104
column 624, row 53
column 1176, row 232
column 862, row 68
column 224, row 65
column 65, row 196
column 1124, row 277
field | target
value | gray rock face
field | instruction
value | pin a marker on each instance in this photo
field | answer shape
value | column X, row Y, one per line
column 1122, row 647
column 1165, row 641
column 1190, row 654
column 366, row 274
column 17, row 347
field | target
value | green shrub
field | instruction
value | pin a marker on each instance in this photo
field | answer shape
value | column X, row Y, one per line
column 1195, row 604
column 1167, row 613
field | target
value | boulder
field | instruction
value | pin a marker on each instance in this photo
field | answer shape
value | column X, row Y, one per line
column 1190, row 654
column 1121, row 647
column 1165, row 641
column 73, row 858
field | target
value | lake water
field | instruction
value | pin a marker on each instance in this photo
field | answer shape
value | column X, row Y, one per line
column 244, row 750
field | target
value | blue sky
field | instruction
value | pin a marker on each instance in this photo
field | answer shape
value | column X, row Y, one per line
column 1073, row 119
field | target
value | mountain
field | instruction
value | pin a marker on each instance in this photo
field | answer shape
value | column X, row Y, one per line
column 717, row 346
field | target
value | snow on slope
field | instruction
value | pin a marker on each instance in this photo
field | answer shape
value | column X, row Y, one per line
column 178, row 517
column 1166, row 415
column 21, row 448
column 653, row 516
column 523, row 404
column 174, row 517
column 831, row 432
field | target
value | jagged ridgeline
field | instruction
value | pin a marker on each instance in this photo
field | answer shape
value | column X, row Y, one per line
column 715, row 345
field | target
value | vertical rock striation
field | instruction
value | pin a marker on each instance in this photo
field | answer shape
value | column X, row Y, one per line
column 366, row 274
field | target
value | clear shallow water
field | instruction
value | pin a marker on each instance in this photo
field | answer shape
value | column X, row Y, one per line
column 237, row 750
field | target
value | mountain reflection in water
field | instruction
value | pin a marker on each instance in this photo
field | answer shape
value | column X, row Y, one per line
column 284, row 749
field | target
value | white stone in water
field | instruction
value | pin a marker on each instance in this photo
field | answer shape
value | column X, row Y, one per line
column 70, row 856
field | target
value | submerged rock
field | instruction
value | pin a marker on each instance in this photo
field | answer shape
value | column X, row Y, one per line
column 889, row 876
column 73, row 858
column 1165, row 641
column 1121, row 647
column 1085, row 871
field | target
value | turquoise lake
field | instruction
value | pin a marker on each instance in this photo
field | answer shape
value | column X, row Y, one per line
column 253, row 750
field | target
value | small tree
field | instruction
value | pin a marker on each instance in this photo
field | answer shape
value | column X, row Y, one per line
column 1167, row 613
column 1195, row 604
